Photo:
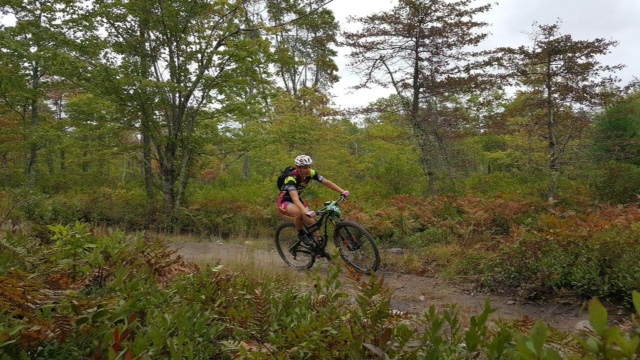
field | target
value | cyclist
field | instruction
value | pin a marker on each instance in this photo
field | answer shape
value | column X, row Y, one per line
column 291, row 204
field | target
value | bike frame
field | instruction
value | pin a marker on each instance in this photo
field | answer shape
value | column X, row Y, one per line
column 329, row 213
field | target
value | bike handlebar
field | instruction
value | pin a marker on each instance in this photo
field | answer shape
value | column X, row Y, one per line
column 331, row 203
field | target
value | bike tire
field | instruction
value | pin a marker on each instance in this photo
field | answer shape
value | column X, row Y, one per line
column 291, row 250
column 357, row 247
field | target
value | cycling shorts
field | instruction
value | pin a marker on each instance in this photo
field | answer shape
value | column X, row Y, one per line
column 282, row 205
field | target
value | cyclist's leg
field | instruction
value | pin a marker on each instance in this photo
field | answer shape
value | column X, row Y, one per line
column 298, row 216
column 287, row 208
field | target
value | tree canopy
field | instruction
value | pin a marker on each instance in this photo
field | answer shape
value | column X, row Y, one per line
column 169, row 99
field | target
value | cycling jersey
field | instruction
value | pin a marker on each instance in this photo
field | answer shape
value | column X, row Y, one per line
column 295, row 182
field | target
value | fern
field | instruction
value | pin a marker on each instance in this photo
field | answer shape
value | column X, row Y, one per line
column 20, row 294
column 261, row 320
column 12, row 254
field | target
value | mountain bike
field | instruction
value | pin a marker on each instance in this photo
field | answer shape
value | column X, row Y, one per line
column 356, row 246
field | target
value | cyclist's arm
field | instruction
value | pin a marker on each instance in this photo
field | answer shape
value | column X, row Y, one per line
column 296, row 200
column 331, row 185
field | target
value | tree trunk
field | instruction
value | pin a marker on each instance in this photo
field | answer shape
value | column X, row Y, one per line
column 168, row 169
column 425, row 160
column 63, row 161
column 147, row 169
column 85, row 163
column 50, row 160
column 419, row 128
column 246, row 167
column 168, row 180
column 183, row 176
column 553, row 151
column 32, row 163
column 145, row 65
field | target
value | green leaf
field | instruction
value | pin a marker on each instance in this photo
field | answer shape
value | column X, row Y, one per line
column 74, row 308
column 551, row 354
column 99, row 315
column 593, row 345
column 636, row 300
column 81, row 320
column 539, row 336
column 597, row 316
column 631, row 347
column 525, row 350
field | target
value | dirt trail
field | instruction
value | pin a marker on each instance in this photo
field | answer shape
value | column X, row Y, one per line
column 410, row 293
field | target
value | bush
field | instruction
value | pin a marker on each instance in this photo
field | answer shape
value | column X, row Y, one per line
column 224, row 218
column 617, row 183
column 141, row 302
column 565, row 254
column 429, row 237
column 129, row 209
column 509, row 186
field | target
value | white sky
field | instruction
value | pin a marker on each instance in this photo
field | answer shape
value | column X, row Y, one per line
column 509, row 21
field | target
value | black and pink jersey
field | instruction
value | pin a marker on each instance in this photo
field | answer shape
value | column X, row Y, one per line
column 295, row 181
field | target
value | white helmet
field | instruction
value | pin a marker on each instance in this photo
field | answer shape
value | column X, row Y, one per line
column 303, row 160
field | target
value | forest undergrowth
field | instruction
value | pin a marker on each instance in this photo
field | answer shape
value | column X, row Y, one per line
column 89, row 293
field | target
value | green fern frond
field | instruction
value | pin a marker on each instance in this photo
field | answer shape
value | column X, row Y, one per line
column 16, row 254
column 261, row 320
column 565, row 343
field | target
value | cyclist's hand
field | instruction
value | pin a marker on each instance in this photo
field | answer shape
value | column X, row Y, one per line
column 310, row 214
column 345, row 194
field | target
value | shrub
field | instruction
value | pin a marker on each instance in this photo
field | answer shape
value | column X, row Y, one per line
column 588, row 258
column 617, row 183
column 429, row 237
column 151, row 305
column 511, row 186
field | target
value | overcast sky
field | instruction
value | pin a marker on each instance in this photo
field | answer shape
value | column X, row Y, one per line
column 509, row 20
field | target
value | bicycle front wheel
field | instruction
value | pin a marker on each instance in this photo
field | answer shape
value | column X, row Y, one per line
column 357, row 247
column 291, row 250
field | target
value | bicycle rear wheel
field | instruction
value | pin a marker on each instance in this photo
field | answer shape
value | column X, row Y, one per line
column 291, row 250
column 357, row 247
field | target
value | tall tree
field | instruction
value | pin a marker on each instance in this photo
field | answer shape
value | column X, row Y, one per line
column 421, row 48
column 303, row 34
column 170, row 65
column 27, row 59
column 567, row 80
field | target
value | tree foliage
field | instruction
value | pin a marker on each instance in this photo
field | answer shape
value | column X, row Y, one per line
column 29, row 56
column 421, row 49
column 205, row 102
column 302, row 36
column 169, row 67
column 617, row 131
column 566, row 81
